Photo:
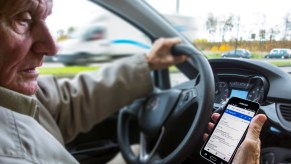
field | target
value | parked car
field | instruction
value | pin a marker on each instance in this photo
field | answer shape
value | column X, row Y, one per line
column 238, row 53
column 283, row 53
column 170, row 127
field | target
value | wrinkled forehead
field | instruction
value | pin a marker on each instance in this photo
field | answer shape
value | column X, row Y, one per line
column 10, row 7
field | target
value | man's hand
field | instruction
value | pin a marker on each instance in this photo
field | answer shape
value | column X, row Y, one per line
column 160, row 56
column 249, row 150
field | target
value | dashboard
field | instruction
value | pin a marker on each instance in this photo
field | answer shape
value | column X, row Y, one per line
column 257, row 81
column 251, row 87
column 266, row 84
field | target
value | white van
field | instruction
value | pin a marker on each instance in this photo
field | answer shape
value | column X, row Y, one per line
column 101, row 40
column 108, row 37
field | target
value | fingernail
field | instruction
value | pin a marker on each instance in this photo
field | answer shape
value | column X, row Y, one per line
column 262, row 119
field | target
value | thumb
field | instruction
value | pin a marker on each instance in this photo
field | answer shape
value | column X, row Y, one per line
column 256, row 127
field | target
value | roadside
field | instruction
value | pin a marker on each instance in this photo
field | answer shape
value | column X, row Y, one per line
column 60, row 70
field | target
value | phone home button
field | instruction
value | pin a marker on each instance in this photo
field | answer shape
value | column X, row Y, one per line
column 212, row 158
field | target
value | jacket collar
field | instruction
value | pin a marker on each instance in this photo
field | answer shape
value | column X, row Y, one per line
column 17, row 102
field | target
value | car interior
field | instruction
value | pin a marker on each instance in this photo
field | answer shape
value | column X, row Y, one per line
column 169, row 124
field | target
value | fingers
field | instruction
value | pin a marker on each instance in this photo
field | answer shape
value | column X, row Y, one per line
column 205, row 136
column 211, row 125
column 161, row 57
column 256, row 127
column 169, row 42
column 215, row 117
column 249, row 150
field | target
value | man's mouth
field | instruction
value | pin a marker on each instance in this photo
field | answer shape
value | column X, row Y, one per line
column 31, row 71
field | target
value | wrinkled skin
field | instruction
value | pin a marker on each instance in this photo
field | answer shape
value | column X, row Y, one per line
column 249, row 150
column 25, row 39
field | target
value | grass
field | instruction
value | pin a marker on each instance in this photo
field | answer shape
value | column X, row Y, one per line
column 66, row 71
column 213, row 55
column 281, row 63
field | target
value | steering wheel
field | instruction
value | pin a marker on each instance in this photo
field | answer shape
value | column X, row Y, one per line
column 171, row 122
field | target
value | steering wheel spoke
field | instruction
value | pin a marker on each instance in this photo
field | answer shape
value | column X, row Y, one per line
column 188, row 97
column 148, row 153
column 133, row 109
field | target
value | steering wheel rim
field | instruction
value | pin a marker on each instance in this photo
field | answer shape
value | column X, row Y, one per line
column 202, row 95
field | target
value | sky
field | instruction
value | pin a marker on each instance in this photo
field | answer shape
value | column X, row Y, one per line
column 273, row 8
column 248, row 10
column 251, row 13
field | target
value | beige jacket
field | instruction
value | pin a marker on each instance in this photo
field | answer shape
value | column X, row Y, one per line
column 35, row 129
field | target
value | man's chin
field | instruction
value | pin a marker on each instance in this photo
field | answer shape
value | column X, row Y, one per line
column 28, row 89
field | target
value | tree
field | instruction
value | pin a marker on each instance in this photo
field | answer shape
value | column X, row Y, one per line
column 226, row 25
column 261, row 24
column 273, row 32
column 237, row 30
column 287, row 25
column 211, row 25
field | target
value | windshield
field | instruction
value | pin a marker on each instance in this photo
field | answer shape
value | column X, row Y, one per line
column 80, row 32
column 226, row 25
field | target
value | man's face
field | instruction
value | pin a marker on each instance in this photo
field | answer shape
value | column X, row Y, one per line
column 24, row 39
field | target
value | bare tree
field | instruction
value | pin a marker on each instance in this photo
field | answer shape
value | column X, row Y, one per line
column 226, row 25
column 237, row 20
column 273, row 32
column 261, row 24
column 211, row 25
column 287, row 25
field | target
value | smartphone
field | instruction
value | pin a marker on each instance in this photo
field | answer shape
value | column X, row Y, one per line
column 230, row 130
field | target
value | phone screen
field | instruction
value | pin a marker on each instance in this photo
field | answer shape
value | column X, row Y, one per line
column 229, row 131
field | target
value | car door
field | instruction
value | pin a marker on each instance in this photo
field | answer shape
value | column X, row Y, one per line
column 238, row 54
column 99, row 145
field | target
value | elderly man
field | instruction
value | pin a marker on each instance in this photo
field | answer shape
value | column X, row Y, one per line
column 38, row 116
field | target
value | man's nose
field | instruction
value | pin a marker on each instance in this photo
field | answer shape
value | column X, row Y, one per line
column 43, row 43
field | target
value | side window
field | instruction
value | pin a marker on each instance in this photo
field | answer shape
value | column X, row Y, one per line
column 282, row 51
column 93, row 35
column 274, row 52
column 96, row 33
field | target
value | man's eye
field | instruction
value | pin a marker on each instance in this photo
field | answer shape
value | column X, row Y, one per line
column 22, row 22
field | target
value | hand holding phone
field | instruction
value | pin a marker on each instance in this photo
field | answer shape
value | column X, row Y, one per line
column 229, row 131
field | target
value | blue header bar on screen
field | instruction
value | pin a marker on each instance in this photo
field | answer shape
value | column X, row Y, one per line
column 237, row 114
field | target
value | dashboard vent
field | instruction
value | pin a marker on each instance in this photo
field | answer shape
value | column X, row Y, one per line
column 285, row 111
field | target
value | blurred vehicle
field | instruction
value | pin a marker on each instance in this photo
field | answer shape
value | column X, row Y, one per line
column 283, row 53
column 48, row 59
column 238, row 53
column 100, row 40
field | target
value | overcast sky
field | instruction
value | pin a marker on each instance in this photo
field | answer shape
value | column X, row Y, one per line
column 273, row 9
column 67, row 11
column 251, row 12
column 196, row 7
